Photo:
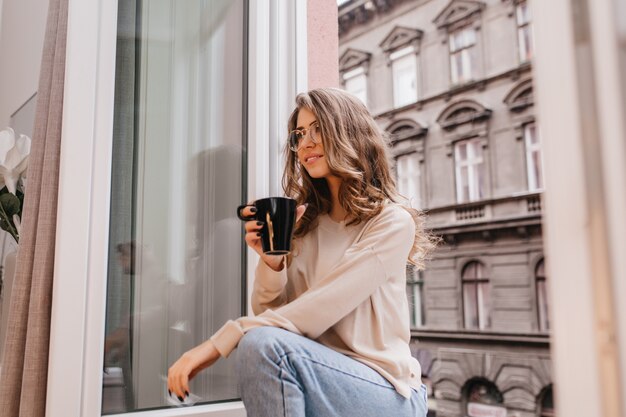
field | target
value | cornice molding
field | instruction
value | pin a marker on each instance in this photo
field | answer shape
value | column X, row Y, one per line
column 352, row 58
column 458, row 11
column 399, row 37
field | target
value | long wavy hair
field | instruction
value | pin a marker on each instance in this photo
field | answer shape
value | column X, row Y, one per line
column 356, row 151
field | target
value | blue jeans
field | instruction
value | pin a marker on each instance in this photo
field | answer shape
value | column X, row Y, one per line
column 282, row 374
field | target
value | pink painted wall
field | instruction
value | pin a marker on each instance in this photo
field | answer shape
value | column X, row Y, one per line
column 323, row 43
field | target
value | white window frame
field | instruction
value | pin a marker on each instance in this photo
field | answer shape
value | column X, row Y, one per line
column 534, row 184
column 475, row 169
column 74, row 386
column 468, row 52
column 483, row 308
column 354, row 77
column 409, row 178
column 417, row 310
column 401, row 60
column 523, row 26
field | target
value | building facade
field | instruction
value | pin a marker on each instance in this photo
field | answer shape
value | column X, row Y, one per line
column 451, row 82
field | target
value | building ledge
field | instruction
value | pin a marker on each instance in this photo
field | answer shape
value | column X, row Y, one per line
column 542, row 339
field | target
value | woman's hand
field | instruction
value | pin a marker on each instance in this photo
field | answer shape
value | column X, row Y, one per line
column 188, row 365
column 253, row 236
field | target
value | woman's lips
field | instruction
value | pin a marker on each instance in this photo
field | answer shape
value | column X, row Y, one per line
column 312, row 159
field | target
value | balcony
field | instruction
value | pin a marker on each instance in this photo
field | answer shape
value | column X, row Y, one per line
column 511, row 211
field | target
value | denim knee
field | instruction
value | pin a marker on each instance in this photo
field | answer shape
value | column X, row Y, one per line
column 258, row 346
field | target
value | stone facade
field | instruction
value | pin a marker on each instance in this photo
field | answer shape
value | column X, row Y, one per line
column 499, row 227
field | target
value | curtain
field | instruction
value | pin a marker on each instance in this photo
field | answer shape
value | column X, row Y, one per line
column 25, row 360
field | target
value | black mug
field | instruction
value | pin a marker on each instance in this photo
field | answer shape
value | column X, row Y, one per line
column 278, row 215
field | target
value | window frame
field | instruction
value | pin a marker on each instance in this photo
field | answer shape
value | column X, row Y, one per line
column 483, row 311
column 413, row 176
column 534, row 184
column 475, row 171
column 353, row 75
column 403, row 55
column 525, row 50
column 467, row 53
column 74, row 386
column 543, row 317
column 415, row 283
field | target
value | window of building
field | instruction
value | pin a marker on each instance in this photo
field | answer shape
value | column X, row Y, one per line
column 415, row 295
column 524, row 32
column 468, row 156
column 356, row 83
column 408, row 172
column 483, row 398
column 404, row 73
column 476, row 297
column 168, row 256
column 462, row 55
column 547, row 404
column 534, row 161
column 542, row 297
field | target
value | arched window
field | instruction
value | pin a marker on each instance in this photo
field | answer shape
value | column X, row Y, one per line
column 483, row 398
column 542, row 297
column 546, row 403
column 476, row 297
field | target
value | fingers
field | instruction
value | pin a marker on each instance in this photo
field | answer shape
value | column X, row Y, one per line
column 178, row 381
column 248, row 211
column 253, row 226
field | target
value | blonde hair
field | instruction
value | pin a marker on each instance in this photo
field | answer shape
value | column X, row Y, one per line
column 356, row 151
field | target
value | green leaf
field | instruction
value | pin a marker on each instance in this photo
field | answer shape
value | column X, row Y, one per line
column 10, row 203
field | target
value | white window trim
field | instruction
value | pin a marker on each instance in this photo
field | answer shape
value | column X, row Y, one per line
column 400, row 53
column 358, row 72
column 395, row 56
column 522, row 58
column 465, row 51
column 353, row 73
column 472, row 162
column 413, row 175
column 530, row 149
column 74, row 386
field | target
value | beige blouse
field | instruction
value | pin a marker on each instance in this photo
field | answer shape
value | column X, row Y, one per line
column 346, row 289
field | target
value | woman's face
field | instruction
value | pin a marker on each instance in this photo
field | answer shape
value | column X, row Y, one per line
column 311, row 155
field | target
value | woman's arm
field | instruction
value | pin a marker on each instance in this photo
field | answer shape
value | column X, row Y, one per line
column 268, row 291
column 365, row 266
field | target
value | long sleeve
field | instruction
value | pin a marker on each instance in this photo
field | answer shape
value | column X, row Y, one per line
column 381, row 251
column 269, row 287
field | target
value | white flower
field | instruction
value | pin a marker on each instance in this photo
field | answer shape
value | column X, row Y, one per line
column 13, row 158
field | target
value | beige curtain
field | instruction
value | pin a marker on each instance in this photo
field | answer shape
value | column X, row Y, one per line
column 25, row 362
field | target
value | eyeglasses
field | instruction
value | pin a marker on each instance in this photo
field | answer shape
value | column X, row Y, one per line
column 296, row 137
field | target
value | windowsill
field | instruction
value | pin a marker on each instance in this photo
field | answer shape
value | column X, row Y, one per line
column 541, row 338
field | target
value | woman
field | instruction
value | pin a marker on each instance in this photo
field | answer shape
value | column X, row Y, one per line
column 330, row 335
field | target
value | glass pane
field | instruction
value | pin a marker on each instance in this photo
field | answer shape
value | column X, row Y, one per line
column 470, row 308
column 523, row 16
column 175, row 268
column 404, row 79
column 358, row 86
column 538, row 175
column 484, row 302
column 419, row 306
column 464, row 184
column 470, row 271
column 542, row 305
